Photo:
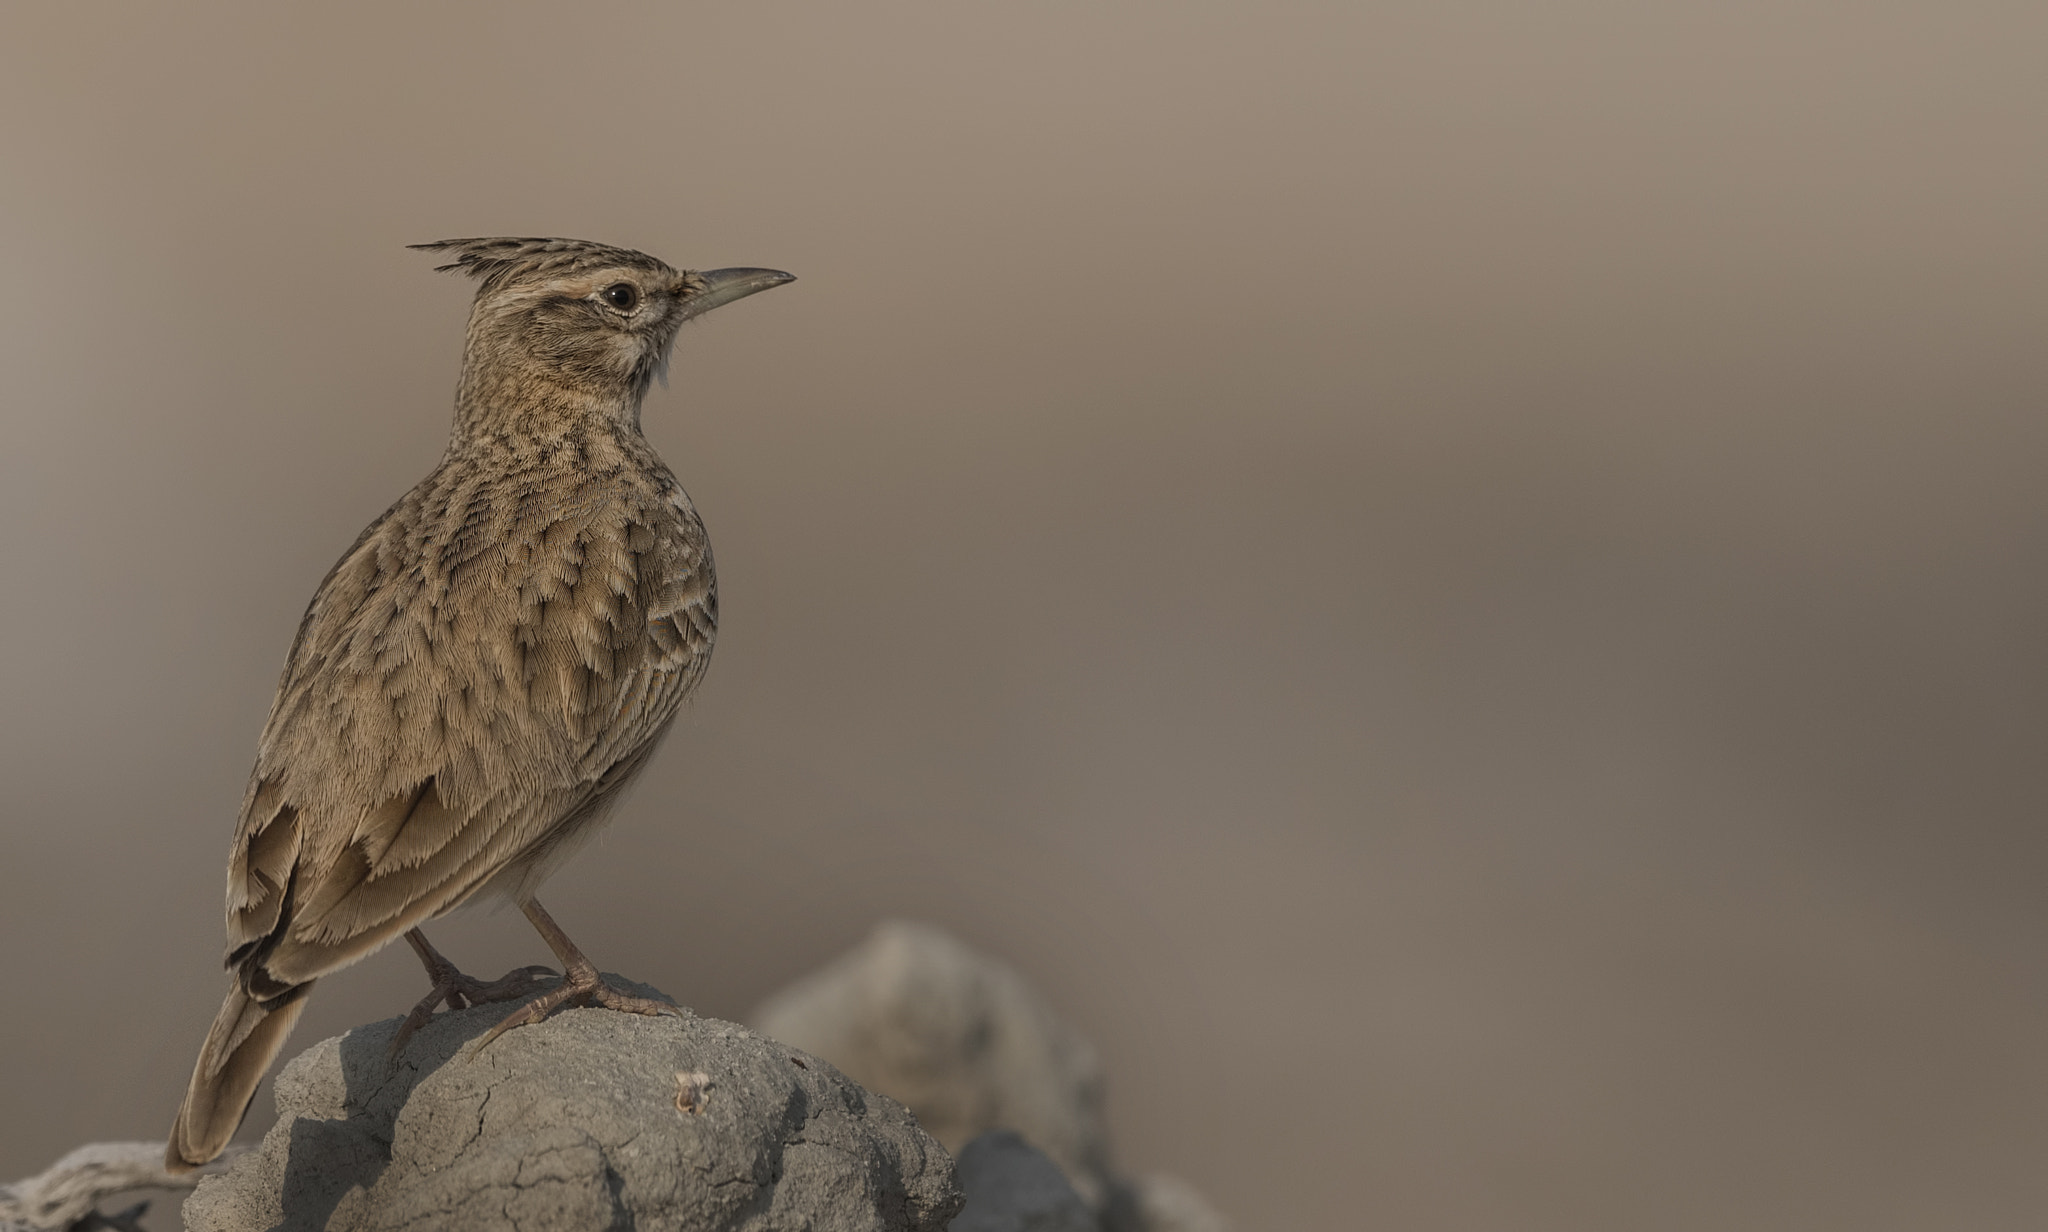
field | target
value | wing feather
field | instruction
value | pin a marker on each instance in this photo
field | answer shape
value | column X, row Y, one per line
column 473, row 683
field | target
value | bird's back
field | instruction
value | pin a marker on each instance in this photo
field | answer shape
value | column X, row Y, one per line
column 470, row 688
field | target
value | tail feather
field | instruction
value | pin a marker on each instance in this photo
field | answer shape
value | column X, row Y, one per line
column 245, row 1039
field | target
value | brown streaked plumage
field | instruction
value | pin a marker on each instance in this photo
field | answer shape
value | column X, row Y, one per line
column 483, row 672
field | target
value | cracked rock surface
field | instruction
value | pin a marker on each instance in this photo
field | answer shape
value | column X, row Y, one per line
column 592, row 1119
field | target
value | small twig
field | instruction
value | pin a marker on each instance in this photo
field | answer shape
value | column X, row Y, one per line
column 62, row 1197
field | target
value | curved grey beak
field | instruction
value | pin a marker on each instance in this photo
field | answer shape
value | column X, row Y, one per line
column 723, row 286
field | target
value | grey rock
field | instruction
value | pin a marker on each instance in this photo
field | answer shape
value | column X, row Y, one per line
column 593, row 1119
column 1012, row 1187
column 959, row 1037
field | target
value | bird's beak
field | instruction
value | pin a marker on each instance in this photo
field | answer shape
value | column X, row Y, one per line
column 723, row 286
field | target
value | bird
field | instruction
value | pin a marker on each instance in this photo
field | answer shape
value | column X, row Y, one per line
column 481, row 675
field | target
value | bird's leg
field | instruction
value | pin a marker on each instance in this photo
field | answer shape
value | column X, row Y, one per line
column 458, row 990
column 581, row 984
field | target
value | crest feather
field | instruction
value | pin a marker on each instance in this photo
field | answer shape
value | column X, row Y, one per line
column 499, row 259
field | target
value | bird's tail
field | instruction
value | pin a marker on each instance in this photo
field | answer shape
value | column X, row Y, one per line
column 244, row 1040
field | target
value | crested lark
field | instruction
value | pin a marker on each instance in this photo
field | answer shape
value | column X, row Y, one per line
column 484, row 671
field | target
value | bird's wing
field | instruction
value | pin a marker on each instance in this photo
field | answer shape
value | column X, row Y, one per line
column 470, row 676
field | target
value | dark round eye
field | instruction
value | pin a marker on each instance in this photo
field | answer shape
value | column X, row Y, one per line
column 623, row 296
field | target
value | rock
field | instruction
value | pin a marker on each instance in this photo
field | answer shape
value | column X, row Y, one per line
column 592, row 1119
column 1161, row 1203
column 1012, row 1187
column 960, row 1038
column 971, row 1047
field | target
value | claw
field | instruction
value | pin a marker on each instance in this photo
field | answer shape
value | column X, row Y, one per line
column 459, row 991
column 585, row 987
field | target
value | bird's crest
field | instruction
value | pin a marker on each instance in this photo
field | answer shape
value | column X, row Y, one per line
column 496, row 260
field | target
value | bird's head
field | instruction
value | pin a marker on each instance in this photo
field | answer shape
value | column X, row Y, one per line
column 570, row 321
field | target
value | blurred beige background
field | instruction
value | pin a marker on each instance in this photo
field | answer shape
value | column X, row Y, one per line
column 1462, row 585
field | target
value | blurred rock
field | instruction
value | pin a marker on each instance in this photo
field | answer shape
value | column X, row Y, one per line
column 960, row 1038
column 971, row 1047
column 1160, row 1203
column 1012, row 1187
column 592, row 1119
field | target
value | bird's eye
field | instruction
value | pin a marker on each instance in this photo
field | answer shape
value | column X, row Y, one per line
column 623, row 296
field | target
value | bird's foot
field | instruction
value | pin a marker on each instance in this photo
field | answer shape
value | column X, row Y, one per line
column 459, row 991
column 582, row 987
